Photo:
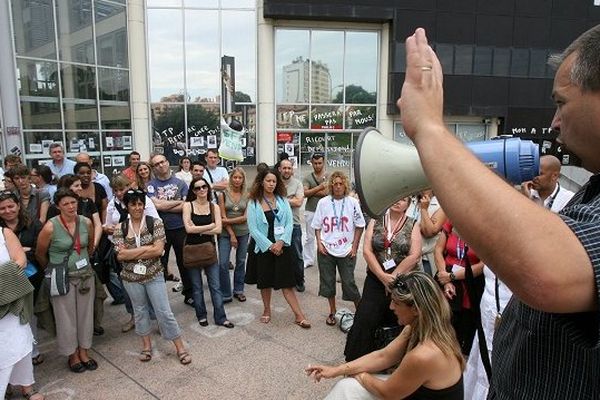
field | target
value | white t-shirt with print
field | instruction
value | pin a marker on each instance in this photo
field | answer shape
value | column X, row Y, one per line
column 337, row 220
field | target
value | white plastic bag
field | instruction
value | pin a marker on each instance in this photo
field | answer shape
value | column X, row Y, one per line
column 231, row 143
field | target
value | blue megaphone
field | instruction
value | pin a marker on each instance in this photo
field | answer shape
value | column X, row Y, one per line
column 386, row 171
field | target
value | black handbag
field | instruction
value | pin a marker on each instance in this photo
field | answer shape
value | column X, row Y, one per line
column 385, row 335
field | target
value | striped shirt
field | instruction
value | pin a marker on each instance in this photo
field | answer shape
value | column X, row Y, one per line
column 539, row 355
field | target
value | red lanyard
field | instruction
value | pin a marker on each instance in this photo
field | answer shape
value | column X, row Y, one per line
column 76, row 240
column 391, row 232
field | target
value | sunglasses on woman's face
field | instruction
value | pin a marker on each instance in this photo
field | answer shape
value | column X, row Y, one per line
column 201, row 187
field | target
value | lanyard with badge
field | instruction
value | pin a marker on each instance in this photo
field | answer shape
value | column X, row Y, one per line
column 338, row 220
column 390, row 235
column 553, row 197
column 138, row 268
column 82, row 263
column 278, row 229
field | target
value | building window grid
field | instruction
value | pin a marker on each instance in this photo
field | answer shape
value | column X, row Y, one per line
column 185, row 103
column 60, row 97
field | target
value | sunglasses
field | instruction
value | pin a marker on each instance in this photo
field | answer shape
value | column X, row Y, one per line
column 136, row 192
column 198, row 188
column 401, row 286
column 7, row 194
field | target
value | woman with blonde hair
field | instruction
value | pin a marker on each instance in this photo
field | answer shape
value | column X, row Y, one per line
column 233, row 204
column 429, row 358
column 338, row 223
column 143, row 175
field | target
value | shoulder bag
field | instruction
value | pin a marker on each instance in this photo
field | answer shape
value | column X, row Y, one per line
column 200, row 255
column 57, row 274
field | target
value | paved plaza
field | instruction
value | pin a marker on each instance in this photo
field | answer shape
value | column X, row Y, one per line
column 252, row 361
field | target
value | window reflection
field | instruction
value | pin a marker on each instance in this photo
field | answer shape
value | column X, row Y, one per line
column 201, row 3
column 326, row 117
column 115, row 116
column 113, row 84
column 78, row 81
column 202, row 55
column 463, row 61
column 360, row 117
column 37, row 78
column 165, row 53
column 75, row 40
column 327, row 55
column 41, row 115
column 292, row 117
column 237, row 25
column 291, row 66
column 238, row 3
column 34, row 28
column 111, row 34
column 80, row 114
column 36, row 139
column 82, row 142
column 359, row 69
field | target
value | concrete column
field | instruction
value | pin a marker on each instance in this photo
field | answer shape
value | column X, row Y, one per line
column 385, row 122
column 9, row 94
column 138, row 77
column 265, row 130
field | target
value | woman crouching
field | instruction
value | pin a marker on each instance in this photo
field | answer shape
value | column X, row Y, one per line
column 428, row 356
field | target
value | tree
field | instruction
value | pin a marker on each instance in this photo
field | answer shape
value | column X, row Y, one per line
column 356, row 95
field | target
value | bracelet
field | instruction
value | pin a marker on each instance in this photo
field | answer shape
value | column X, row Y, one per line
column 452, row 276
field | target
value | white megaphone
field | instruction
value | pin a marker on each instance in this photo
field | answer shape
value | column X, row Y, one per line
column 386, row 171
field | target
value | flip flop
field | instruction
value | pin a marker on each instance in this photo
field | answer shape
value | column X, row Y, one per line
column 37, row 360
column 265, row 319
column 240, row 296
column 304, row 324
column 330, row 320
column 146, row 355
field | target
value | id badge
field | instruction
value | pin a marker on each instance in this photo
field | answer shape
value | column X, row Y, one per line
column 497, row 321
column 279, row 230
column 81, row 263
column 139, row 269
column 389, row 264
column 456, row 268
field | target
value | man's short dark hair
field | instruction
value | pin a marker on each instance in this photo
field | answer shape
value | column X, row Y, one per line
column 55, row 145
column 134, row 153
column 317, row 156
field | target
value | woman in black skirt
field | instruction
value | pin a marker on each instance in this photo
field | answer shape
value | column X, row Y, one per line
column 269, row 218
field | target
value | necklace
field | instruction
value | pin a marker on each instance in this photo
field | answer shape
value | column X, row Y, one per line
column 236, row 204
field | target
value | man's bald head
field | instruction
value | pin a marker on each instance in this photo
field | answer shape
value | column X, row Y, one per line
column 84, row 158
column 549, row 174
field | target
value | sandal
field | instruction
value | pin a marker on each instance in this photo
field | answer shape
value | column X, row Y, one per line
column 33, row 395
column 203, row 322
column 184, row 357
column 228, row 324
column 240, row 297
column 146, row 355
column 90, row 365
column 330, row 320
column 265, row 319
column 37, row 360
column 303, row 324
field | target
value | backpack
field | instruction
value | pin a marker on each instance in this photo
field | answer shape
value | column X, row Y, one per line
column 149, row 224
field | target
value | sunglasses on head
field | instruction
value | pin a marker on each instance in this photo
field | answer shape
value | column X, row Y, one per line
column 137, row 192
column 7, row 194
column 201, row 187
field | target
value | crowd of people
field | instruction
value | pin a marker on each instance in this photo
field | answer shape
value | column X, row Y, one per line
column 438, row 280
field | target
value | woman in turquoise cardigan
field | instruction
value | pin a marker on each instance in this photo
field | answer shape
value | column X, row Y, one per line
column 269, row 265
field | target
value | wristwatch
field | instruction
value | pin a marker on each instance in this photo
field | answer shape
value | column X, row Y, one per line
column 452, row 277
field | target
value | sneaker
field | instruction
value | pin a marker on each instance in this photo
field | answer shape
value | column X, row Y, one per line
column 98, row 331
column 300, row 288
column 129, row 325
column 178, row 287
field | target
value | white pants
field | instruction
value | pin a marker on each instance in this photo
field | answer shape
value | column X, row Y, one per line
column 310, row 245
column 20, row 373
column 351, row 389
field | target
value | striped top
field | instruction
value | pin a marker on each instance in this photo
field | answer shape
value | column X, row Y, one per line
column 539, row 355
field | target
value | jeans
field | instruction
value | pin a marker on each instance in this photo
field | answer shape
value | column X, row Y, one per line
column 297, row 250
column 212, row 277
column 115, row 288
column 176, row 238
column 240, row 265
column 152, row 293
column 310, row 247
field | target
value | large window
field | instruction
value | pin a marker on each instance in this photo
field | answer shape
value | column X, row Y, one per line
column 202, row 68
column 73, row 78
column 326, row 92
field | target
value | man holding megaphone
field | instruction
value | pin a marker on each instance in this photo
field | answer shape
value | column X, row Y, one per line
column 548, row 343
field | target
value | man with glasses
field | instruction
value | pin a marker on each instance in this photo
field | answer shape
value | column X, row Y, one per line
column 168, row 194
column 60, row 165
column 315, row 188
column 217, row 176
column 295, row 196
